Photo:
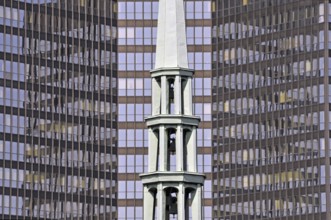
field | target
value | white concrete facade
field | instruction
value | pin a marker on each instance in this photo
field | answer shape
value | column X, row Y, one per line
column 172, row 186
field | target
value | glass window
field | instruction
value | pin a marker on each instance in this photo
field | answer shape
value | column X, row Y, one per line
column 139, row 10
column 121, row 163
column 130, row 10
column 147, row 87
column 121, row 137
column 147, row 10
column 122, row 112
column 139, row 86
column 121, row 190
column 122, row 87
column 139, row 112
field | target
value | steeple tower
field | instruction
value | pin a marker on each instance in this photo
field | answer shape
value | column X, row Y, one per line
column 172, row 186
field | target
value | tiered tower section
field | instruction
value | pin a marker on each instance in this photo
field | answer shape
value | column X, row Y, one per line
column 172, row 185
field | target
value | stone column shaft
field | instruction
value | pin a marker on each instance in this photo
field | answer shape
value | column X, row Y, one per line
column 179, row 148
column 164, row 95
column 156, row 97
column 149, row 208
column 163, row 151
column 178, row 95
column 197, row 204
column 161, row 202
column 181, row 202
column 192, row 151
column 188, row 97
column 152, row 151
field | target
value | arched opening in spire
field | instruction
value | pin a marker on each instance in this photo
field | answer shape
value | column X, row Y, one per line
column 171, row 153
column 171, row 97
column 171, row 202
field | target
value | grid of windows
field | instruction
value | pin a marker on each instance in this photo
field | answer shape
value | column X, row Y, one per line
column 57, row 110
column 271, row 109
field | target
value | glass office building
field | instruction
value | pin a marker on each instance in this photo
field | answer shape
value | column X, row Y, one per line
column 271, row 131
column 58, row 104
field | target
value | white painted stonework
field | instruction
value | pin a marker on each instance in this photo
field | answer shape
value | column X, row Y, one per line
column 172, row 186
column 171, row 47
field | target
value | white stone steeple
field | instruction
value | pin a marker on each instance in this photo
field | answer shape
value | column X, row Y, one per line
column 171, row 49
column 172, row 185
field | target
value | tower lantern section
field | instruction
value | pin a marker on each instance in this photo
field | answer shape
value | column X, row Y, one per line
column 172, row 127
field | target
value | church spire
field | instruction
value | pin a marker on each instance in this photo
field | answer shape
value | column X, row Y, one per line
column 171, row 50
column 172, row 185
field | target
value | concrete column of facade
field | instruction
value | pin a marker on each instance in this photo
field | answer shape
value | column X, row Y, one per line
column 161, row 202
column 156, row 103
column 179, row 148
column 192, row 151
column 153, row 149
column 149, row 208
column 164, row 95
column 181, row 202
column 196, row 204
column 163, row 151
column 178, row 95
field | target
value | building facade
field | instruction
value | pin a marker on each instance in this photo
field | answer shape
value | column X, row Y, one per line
column 271, row 109
column 58, row 109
